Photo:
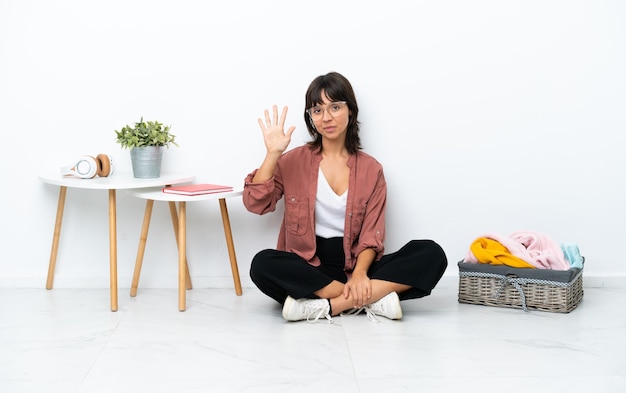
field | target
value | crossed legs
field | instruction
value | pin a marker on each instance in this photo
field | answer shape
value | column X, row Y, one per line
column 338, row 303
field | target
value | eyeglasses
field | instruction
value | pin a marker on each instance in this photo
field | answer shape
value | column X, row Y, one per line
column 334, row 108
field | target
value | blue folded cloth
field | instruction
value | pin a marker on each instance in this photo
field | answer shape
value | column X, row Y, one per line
column 572, row 254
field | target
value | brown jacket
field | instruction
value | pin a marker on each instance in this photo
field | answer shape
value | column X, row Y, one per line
column 295, row 178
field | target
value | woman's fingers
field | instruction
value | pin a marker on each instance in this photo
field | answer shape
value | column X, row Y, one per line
column 283, row 116
column 272, row 127
column 361, row 293
column 357, row 297
column 275, row 113
column 267, row 118
column 275, row 120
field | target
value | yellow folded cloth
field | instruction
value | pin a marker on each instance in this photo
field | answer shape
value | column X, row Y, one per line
column 493, row 252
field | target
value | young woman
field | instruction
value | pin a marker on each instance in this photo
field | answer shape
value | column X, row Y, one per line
column 330, row 256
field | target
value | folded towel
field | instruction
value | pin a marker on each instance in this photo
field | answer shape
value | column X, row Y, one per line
column 532, row 247
column 493, row 252
column 572, row 255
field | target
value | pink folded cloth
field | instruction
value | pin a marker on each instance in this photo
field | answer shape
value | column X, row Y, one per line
column 537, row 249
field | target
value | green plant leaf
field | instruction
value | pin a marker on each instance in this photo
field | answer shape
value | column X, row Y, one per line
column 145, row 133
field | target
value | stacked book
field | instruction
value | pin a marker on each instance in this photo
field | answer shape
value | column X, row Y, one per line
column 197, row 189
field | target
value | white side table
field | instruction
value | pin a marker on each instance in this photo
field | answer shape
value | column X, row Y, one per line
column 112, row 183
column 179, row 221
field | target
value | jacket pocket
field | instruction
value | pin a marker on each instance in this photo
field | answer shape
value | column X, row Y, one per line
column 296, row 215
column 357, row 215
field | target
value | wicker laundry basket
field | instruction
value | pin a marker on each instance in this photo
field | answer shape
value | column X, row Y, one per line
column 527, row 289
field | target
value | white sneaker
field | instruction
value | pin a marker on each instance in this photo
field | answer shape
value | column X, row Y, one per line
column 310, row 309
column 388, row 307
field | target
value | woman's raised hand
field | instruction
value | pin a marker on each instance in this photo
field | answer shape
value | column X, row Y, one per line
column 274, row 135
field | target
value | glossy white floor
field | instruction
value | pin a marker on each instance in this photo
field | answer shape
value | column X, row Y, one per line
column 67, row 340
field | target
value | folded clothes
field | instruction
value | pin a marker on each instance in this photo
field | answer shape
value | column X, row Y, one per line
column 531, row 247
column 572, row 255
column 493, row 252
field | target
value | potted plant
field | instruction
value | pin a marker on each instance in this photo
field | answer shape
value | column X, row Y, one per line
column 146, row 141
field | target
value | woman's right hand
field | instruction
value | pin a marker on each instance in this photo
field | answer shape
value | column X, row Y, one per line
column 274, row 135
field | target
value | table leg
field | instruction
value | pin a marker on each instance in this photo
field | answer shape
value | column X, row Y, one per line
column 56, row 236
column 174, row 216
column 113, row 248
column 182, row 252
column 231, row 246
column 143, row 238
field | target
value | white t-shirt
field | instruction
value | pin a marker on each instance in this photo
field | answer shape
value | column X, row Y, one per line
column 330, row 209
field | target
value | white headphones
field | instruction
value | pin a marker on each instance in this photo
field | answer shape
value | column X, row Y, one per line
column 87, row 167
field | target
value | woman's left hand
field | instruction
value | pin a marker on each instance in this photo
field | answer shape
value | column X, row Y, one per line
column 359, row 287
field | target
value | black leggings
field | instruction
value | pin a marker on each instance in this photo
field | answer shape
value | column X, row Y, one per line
column 419, row 264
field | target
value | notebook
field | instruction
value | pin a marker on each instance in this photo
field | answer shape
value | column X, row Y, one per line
column 197, row 189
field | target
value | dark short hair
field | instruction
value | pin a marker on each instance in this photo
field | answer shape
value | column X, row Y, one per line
column 335, row 87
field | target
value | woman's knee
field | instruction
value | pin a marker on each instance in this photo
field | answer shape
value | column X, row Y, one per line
column 259, row 262
column 430, row 251
column 438, row 252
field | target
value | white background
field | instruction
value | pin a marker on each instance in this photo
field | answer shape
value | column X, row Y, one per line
column 488, row 116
